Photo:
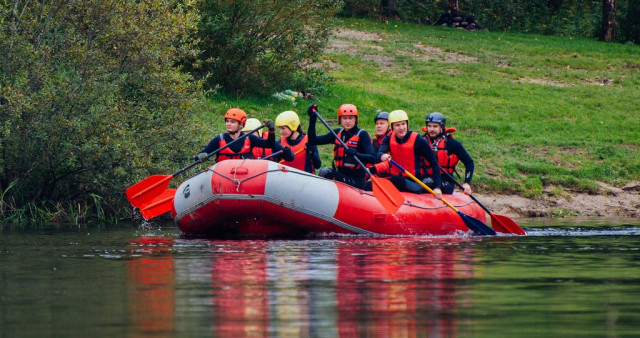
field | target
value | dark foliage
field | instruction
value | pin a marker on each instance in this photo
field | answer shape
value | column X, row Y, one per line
column 91, row 100
column 262, row 46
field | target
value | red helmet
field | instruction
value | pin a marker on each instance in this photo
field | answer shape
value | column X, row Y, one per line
column 236, row 114
column 347, row 109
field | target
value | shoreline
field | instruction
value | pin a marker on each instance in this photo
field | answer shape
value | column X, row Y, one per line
column 608, row 202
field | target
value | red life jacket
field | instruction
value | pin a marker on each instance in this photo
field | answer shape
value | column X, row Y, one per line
column 300, row 160
column 262, row 152
column 227, row 153
column 377, row 140
column 338, row 151
column 446, row 161
column 404, row 154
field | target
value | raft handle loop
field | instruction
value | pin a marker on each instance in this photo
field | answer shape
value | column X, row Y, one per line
column 235, row 180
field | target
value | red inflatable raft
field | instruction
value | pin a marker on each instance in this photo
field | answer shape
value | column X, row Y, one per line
column 264, row 198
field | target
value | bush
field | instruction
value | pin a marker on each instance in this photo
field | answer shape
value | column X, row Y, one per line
column 261, row 46
column 90, row 99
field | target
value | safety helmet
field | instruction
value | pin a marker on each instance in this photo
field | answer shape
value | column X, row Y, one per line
column 252, row 124
column 288, row 118
column 236, row 114
column 383, row 115
column 397, row 116
column 436, row 117
column 347, row 109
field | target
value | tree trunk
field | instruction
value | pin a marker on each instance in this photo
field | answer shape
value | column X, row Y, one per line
column 389, row 8
column 608, row 32
column 454, row 6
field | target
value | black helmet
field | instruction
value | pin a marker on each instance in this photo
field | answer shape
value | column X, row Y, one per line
column 381, row 115
column 436, row 118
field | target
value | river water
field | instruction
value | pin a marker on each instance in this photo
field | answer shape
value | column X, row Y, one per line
column 568, row 278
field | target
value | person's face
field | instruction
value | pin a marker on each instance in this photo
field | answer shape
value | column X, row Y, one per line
column 381, row 127
column 400, row 128
column 347, row 122
column 232, row 125
column 433, row 129
column 285, row 131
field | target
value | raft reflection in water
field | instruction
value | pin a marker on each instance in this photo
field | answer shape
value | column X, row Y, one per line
column 336, row 287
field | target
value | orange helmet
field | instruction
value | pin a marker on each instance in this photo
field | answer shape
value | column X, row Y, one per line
column 236, row 114
column 347, row 109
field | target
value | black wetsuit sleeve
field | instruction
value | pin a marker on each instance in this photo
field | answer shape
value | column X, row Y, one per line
column 286, row 154
column 213, row 145
column 314, row 156
column 455, row 147
column 314, row 139
column 365, row 149
column 259, row 142
column 276, row 148
column 422, row 148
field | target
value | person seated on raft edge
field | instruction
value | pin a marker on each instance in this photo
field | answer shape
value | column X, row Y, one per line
column 258, row 152
column 382, row 129
column 409, row 150
column 448, row 152
column 234, row 120
column 296, row 139
column 345, row 168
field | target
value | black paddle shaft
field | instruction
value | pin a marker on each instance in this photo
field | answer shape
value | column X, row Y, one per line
column 341, row 142
column 277, row 153
column 242, row 137
column 461, row 187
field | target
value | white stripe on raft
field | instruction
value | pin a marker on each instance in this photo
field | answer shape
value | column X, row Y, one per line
column 193, row 193
column 293, row 191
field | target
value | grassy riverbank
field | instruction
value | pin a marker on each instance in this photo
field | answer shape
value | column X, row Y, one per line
column 539, row 114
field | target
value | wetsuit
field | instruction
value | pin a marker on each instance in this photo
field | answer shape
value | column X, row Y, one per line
column 448, row 156
column 344, row 169
column 420, row 152
column 238, row 149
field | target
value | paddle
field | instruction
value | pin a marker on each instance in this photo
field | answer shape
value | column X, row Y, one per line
column 148, row 189
column 383, row 190
column 277, row 153
column 159, row 205
column 474, row 224
column 294, row 154
column 163, row 202
column 501, row 223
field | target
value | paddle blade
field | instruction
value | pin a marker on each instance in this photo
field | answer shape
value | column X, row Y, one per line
column 506, row 225
column 476, row 225
column 146, row 190
column 159, row 205
column 387, row 194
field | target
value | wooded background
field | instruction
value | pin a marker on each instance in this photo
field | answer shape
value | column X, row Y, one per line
column 609, row 20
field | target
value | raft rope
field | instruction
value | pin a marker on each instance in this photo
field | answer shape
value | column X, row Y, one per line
column 238, row 182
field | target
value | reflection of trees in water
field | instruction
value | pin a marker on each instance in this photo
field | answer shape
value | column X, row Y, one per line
column 347, row 287
column 151, row 286
column 400, row 287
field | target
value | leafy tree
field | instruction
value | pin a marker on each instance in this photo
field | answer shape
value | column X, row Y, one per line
column 90, row 98
column 262, row 46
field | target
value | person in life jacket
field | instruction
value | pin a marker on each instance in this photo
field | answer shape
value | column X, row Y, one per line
column 258, row 152
column 409, row 150
column 345, row 168
column 295, row 139
column 448, row 151
column 382, row 129
column 234, row 120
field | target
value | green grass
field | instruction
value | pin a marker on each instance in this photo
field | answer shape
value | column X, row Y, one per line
column 532, row 110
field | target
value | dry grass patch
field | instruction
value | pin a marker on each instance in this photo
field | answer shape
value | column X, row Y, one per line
column 426, row 53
